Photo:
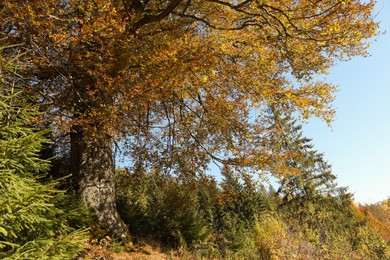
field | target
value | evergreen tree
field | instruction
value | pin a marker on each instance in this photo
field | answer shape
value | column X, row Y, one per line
column 310, row 175
column 310, row 198
column 31, row 227
column 241, row 204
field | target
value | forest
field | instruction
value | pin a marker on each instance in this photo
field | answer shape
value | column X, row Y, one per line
column 172, row 129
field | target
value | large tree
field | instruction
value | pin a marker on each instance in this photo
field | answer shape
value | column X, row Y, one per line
column 179, row 78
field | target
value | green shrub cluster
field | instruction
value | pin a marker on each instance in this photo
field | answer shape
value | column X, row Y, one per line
column 235, row 220
column 162, row 207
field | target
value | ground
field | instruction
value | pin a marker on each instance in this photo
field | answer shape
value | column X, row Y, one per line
column 111, row 251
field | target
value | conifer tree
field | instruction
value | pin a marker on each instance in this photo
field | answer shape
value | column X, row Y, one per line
column 310, row 197
column 31, row 227
column 310, row 175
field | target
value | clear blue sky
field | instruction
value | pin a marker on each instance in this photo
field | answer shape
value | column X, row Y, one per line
column 358, row 143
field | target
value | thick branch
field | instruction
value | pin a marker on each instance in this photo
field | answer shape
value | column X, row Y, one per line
column 148, row 18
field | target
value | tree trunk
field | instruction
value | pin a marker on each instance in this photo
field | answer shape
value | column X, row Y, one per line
column 93, row 168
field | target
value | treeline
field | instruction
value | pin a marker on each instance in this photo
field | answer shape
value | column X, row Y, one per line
column 238, row 218
column 378, row 215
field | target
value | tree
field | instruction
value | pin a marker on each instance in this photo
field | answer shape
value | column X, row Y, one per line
column 311, row 176
column 178, row 79
column 31, row 227
column 310, row 197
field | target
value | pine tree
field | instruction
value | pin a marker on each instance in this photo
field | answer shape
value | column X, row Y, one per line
column 310, row 175
column 310, row 197
column 31, row 227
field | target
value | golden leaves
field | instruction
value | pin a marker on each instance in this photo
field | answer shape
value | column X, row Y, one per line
column 195, row 75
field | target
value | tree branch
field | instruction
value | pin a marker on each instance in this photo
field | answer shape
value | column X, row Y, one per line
column 148, row 18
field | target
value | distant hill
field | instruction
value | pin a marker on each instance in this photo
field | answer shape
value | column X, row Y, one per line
column 378, row 214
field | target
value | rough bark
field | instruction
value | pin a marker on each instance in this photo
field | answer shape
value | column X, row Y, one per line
column 94, row 171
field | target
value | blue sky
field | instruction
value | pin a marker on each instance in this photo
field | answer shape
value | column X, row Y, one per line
column 358, row 143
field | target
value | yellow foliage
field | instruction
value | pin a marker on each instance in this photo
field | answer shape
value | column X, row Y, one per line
column 271, row 237
column 186, row 70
